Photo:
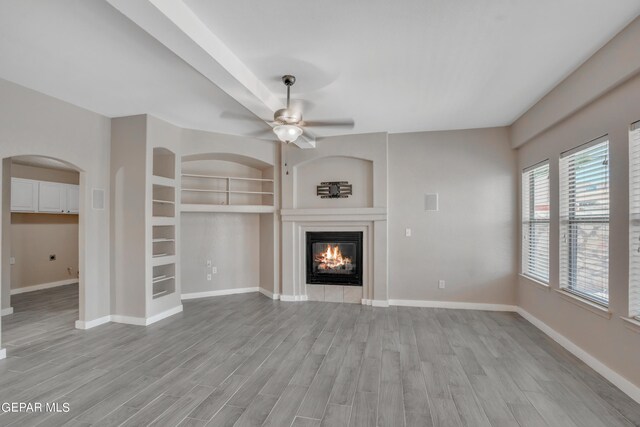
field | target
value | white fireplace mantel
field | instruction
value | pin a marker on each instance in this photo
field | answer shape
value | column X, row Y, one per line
column 372, row 222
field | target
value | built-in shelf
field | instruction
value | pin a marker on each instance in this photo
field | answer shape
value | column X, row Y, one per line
column 168, row 202
column 202, row 192
column 163, row 260
column 160, row 220
column 227, row 208
column 161, row 180
column 162, row 278
column 239, row 178
column 161, row 240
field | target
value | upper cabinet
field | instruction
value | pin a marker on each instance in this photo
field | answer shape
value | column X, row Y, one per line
column 52, row 197
column 42, row 196
column 24, row 195
column 73, row 198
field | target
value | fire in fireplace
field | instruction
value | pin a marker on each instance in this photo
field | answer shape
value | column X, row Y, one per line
column 334, row 258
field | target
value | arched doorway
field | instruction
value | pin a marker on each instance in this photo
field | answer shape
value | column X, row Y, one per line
column 42, row 245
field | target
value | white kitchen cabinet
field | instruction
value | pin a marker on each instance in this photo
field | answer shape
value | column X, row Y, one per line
column 43, row 196
column 52, row 197
column 73, row 198
column 24, row 195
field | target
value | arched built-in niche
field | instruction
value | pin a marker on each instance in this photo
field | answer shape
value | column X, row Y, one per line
column 230, row 232
column 358, row 172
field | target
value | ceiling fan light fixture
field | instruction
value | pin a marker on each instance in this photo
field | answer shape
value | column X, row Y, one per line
column 287, row 133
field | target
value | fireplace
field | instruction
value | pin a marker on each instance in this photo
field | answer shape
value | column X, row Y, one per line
column 334, row 257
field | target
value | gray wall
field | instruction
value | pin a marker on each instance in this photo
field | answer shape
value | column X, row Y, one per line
column 35, row 124
column 607, row 339
column 230, row 240
column 471, row 241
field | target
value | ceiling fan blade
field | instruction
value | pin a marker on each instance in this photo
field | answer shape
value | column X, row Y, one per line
column 261, row 133
column 239, row 116
column 348, row 123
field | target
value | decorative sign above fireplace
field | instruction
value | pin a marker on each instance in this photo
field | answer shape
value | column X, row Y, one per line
column 334, row 190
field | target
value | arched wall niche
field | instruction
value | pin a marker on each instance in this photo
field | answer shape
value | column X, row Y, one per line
column 310, row 173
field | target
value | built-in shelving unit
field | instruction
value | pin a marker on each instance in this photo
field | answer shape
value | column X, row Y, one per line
column 219, row 193
column 163, row 234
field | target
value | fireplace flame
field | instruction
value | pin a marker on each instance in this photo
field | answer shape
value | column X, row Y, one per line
column 332, row 258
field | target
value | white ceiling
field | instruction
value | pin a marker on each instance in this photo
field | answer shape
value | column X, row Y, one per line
column 88, row 54
column 392, row 66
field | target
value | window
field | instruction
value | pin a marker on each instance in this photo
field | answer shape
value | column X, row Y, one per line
column 535, row 222
column 634, row 211
column 584, row 221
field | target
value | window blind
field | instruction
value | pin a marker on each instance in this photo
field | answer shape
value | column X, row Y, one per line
column 584, row 221
column 634, row 211
column 535, row 222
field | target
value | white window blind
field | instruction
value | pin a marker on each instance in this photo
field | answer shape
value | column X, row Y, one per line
column 584, row 221
column 634, row 211
column 535, row 222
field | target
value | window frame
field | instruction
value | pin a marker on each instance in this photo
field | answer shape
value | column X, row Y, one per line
column 572, row 219
column 529, row 222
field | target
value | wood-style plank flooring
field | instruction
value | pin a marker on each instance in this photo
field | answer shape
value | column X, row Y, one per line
column 244, row 360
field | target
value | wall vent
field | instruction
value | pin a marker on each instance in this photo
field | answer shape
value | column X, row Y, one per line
column 431, row 202
column 97, row 200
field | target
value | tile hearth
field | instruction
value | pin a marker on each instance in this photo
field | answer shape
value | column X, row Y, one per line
column 335, row 293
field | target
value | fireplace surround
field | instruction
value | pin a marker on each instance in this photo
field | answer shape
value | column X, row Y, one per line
column 334, row 257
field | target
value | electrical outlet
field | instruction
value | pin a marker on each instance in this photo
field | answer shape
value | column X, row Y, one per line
column 12, row 260
column 209, row 276
column 407, row 232
column 52, row 257
column 208, row 263
column 70, row 271
column 441, row 284
column 214, row 270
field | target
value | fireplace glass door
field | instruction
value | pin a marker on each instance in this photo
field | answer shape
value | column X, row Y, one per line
column 334, row 258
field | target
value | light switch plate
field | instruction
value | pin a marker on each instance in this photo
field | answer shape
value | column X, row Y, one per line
column 407, row 232
column 441, row 284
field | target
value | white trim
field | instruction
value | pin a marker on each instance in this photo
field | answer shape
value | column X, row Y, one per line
column 88, row 324
column 452, row 304
column 164, row 315
column 618, row 380
column 141, row 321
column 380, row 303
column 292, row 298
column 43, row 286
column 193, row 295
column 6, row 311
column 269, row 294
column 3, row 353
column 129, row 320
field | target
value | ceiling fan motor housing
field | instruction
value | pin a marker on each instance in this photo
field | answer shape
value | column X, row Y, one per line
column 287, row 116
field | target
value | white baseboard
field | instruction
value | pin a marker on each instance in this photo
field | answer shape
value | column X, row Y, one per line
column 380, row 303
column 88, row 324
column 141, row 321
column 293, row 298
column 452, row 304
column 269, row 294
column 164, row 315
column 618, row 380
column 3, row 353
column 43, row 286
column 194, row 295
column 6, row 311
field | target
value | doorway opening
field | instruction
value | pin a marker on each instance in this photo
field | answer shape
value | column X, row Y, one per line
column 41, row 248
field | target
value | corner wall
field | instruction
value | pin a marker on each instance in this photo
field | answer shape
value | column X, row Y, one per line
column 607, row 339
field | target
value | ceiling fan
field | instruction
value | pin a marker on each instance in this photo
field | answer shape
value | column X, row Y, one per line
column 288, row 124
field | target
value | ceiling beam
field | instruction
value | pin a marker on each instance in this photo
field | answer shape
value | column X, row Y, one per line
column 178, row 28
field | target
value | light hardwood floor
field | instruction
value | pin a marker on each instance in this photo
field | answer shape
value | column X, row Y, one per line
column 245, row 360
